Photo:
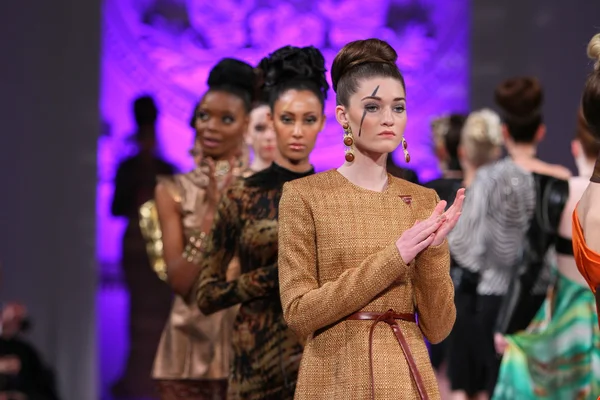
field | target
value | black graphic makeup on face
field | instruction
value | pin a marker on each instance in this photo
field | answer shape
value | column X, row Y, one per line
column 365, row 111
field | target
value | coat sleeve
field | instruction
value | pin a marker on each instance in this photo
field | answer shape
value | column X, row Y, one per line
column 434, row 290
column 308, row 305
column 214, row 292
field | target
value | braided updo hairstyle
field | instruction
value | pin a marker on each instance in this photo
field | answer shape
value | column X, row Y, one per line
column 292, row 68
column 362, row 59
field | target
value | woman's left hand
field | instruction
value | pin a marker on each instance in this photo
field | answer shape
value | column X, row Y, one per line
column 452, row 215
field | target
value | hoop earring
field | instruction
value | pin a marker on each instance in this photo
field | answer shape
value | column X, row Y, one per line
column 348, row 142
column 405, row 148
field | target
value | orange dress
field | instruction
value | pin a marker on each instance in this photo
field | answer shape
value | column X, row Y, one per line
column 588, row 261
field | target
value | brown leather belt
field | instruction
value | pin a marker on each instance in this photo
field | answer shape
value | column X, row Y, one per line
column 390, row 318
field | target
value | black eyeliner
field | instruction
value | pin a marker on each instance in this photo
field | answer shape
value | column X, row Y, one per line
column 365, row 112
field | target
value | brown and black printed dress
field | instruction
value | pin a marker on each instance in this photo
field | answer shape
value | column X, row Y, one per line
column 266, row 352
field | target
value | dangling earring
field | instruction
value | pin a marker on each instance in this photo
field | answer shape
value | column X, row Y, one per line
column 405, row 148
column 348, row 142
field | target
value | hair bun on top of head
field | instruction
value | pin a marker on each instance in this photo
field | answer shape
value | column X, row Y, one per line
column 232, row 72
column 590, row 101
column 361, row 52
column 593, row 51
column 484, row 127
column 520, row 98
column 292, row 63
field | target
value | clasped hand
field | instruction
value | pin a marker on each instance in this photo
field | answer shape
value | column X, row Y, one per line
column 432, row 231
column 213, row 190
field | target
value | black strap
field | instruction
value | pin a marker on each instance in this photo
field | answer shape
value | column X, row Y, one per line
column 564, row 246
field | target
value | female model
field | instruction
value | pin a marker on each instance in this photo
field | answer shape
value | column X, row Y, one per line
column 261, row 138
column 266, row 353
column 559, row 353
column 192, row 361
column 586, row 218
column 358, row 247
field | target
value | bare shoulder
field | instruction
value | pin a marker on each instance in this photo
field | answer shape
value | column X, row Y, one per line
column 167, row 198
column 168, row 186
column 561, row 172
column 577, row 186
column 555, row 170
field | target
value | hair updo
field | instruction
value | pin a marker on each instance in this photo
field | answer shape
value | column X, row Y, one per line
column 589, row 143
column 298, row 68
column 447, row 131
column 481, row 137
column 359, row 60
column 590, row 101
column 234, row 77
column 520, row 100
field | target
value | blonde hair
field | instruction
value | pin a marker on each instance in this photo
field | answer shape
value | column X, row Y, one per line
column 482, row 137
column 593, row 50
column 590, row 101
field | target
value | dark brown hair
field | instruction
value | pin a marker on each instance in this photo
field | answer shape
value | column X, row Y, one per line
column 452, row 140
column 589, row 142
column 520, row 100
column 293, row 68
column 231, row 76
column 359, row 60
column 590, row 102
column 235, row 77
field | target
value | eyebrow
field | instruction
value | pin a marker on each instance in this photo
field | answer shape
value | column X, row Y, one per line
column 379, row 98
column 304, row 114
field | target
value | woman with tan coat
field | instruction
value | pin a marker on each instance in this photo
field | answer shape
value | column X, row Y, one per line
column 358, row 247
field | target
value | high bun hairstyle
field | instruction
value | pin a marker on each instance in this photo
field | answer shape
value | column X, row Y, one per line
column 293, row 68
column 362, row 59
column 590, row 102
column 520, row 100
column 235, row 77
column 481, row 137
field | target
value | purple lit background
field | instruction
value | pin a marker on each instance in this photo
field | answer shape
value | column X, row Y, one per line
column 166, row 48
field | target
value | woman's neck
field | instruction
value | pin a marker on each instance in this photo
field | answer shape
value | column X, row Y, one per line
column 468, row 175
column 293, row 165
column 585, row 167
column 258, row 164
column 520, row 151
column 366, row 172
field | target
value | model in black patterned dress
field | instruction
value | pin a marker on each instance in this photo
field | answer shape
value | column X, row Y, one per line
column 266, row 353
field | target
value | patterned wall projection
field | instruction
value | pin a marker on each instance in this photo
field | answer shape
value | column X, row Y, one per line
column 167, row 47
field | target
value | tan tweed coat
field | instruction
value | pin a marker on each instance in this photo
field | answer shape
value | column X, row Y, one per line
column 337, row 256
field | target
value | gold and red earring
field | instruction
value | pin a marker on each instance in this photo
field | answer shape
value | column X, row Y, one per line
column 348, row 142
column 405, row 148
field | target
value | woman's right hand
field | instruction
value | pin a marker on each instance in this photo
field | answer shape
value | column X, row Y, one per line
column 214, row 187
column 421, row 235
